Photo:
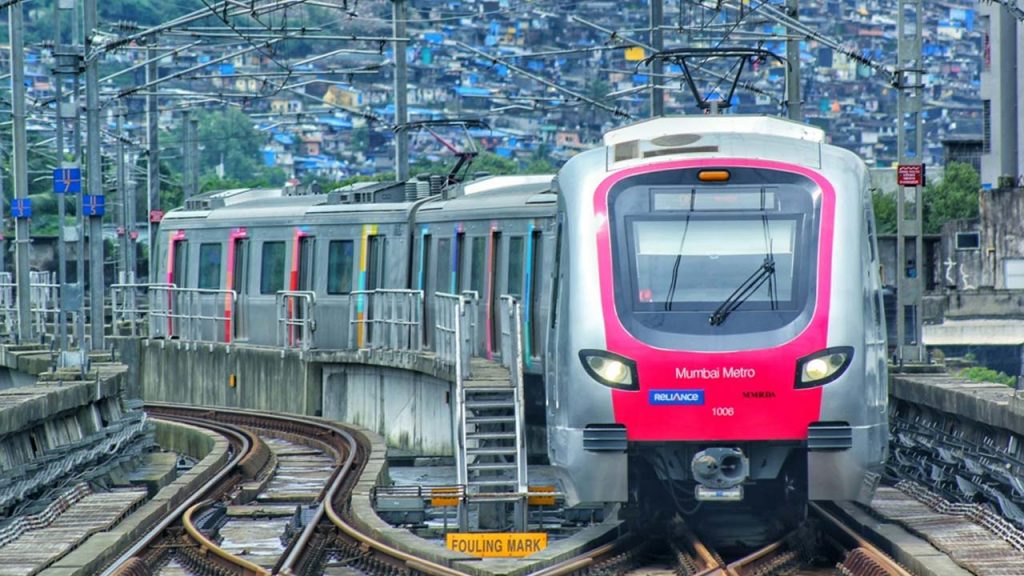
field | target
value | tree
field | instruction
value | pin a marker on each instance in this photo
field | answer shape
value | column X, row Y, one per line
column 229, row 136
column 954, row 197
column 885, row 212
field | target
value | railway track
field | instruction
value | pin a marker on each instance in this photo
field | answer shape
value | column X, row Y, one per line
column 180, row 544
column 824, row 546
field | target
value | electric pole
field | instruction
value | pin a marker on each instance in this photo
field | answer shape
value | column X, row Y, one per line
column 61, row 61
column 95, row 176
column 910, row 266
column 186, row 155
column 193, row 150
column 794, row 106
column 21, row 209
column 398, row 13
column 657, row 64
column 122, row 195
column 153, row 155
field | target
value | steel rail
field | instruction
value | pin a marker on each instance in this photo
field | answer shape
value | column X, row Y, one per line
column 248, row 568
column 870, row 549
column 336, row 438
column 245, row 446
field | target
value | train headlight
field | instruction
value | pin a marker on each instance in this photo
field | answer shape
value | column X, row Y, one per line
column 610, row 369
column 822, row 367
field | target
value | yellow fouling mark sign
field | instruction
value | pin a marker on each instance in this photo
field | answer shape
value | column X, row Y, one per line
column 498, row 544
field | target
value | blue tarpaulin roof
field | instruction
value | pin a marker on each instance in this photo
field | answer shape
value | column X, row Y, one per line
column 472, row 91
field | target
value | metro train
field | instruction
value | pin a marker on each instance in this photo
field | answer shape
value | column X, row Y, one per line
column 702, row 308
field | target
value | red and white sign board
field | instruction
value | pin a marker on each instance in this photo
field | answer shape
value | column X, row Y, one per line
column 910, row 175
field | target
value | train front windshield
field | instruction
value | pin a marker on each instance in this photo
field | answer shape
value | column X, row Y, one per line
column 713, row 259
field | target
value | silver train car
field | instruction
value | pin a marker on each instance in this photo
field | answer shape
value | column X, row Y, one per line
column 702, row 303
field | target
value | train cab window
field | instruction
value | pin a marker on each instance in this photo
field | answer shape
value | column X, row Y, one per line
column 730, row 259
column 209, row 266
column 272, row 268
column 340, row 262
column 444, row 266
column 515, row 266
column 478, row 266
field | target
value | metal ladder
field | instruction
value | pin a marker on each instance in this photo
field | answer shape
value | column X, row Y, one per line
column 491, row 434
column 494, row 443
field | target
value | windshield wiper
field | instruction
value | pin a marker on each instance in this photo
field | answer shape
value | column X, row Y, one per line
column 764, row 273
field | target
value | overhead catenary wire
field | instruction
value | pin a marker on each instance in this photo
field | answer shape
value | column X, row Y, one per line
column 615, row 110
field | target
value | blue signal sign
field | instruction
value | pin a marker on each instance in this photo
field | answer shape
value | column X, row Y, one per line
column 21, row 207
column 67, row 180
column 93, row 204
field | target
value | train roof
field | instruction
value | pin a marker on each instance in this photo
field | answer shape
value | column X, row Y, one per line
column 485, row 195
column 497, row 194
column 676, row 130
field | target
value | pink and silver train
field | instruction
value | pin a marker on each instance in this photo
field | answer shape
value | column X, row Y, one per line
column 702, row 306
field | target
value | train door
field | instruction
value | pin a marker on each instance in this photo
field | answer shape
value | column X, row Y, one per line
column 494, row 299
column 238, row 281
column 178, row 278
column 209, row 298
column 301, row 280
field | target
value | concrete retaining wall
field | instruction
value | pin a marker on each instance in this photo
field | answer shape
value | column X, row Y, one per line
column 201, row 374
column 410, row 409
column 405, row 398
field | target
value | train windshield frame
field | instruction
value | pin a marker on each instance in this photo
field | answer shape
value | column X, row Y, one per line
column 683, row 249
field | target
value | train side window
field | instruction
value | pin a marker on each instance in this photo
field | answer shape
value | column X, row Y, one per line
column 272, row 268
column 209, row 266
column 375, row 262
column 556, row 277
column 425, row 245
column 340, row 261
column 536, row 283
column 459, row 256
column 180, row 272
column 444, row 265
column 515, row 266
column 495, row 292
column 478, row 266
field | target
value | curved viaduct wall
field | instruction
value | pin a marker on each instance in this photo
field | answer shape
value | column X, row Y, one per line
column 404, row 398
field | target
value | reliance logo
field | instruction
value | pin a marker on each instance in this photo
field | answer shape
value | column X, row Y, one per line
column 676, row 397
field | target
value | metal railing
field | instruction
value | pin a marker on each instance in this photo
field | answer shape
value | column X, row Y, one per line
column 296, row 321
column 44, row 295
column 196, row 314
column 129, row 307
column 452, row 332
column 386, row 319
column 512, row 358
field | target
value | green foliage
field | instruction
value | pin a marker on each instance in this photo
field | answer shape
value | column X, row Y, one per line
column 885, row 212
column 145, row 12
column 598, row 89
column 382, row 177
column 265, row 178
column 952, row 198
column 982, row 374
